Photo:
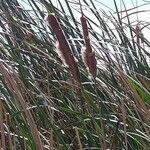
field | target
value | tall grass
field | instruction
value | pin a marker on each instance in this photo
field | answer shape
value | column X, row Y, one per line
column 99, row 102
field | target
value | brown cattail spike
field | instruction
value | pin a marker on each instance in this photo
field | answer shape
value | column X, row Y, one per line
column 90, row 62
column 88, row 55
column 86, row 34
column 64, row 47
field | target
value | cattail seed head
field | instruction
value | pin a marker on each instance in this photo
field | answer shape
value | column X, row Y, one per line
column 88, row 55
column 90, row 62
column 64, row 47
column 93, row 63
column 86, row 34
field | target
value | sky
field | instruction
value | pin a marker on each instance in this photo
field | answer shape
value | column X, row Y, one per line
column 106, row 5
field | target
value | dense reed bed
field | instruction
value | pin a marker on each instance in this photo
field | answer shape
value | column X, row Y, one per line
column 73, row 76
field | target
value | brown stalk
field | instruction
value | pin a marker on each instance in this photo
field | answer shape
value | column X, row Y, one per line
column 2, row 135
column 137, row 99
column 64, row 47
column 11, row 81
column 88, row 55
column 78, row 138
column 124, row 117
column 14, row 142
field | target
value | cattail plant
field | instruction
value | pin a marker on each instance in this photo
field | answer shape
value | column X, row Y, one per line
column 64, row 47
column 88, row 55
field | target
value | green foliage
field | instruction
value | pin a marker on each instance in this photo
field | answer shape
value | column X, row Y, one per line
column 41, row 105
